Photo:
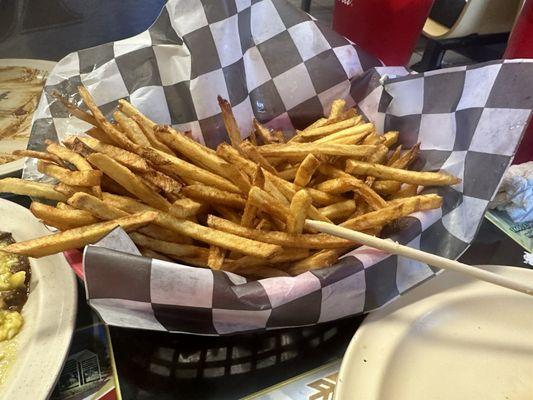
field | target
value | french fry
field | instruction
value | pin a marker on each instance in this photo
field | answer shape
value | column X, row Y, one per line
column 146, row 124
column 322, row 198
column 148, row 128
column 210, row 194
column 216, row 257
column 350, row 139
column 202, row 156
column 302, row 240
column 100, row 135
column 386, row 188
column 126, row 203
column 154, row 254
column 250, row 211
column 73, row 158
column 358, row 132
column 127, row 158
column 253, row 137
column 320, row 259
column 258, row 178
column 218, row 237
column 394, row 156
column 373, row 139
column 337, row 108
column 266, row 134
column 161, row 181
column 157, row 232
column 131, row 129
column 407, row 191
column 344, row 182
column 185, row 208
column 110, row 130
column 64, row 206
column 317, row 124
column 391, row 138
column 320, row 131
column 379, row 156
column 289, row 173
column 77, row 237
column 169, row 248
column 300, row 204
column 272, row 189
column 74, row 109
column 264, row 224
column 229, row 121
column 407, row 158
column 70, row 190
column 342, row 209
column 265, row 202
column 128, row 180
column 30, row 188
column 350, row 113
column 227, row 213
column 306, row 170
column 289, row 190
column 74, row 178
column 253, row 154
column 390, row 213
column 232, row 156
column 61, row 219
column 302, row 149
column 249, row 214
column 95, row 206
column 68, row 155
column 174, row 166
column 401, row 175
column 39, row 155
column 110, row 186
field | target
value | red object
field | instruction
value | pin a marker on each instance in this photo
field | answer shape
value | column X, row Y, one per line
column 520, row 45
column 75, row 259
column 387, row 29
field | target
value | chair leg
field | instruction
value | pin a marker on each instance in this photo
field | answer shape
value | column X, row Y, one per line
column 306, row 5
column 432, row 58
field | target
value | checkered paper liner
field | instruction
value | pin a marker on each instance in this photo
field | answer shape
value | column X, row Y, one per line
column 278, row 64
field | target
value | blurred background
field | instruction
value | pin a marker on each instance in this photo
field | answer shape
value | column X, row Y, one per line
column 456, row 32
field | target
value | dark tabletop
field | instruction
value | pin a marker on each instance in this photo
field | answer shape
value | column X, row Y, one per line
column 154, row 365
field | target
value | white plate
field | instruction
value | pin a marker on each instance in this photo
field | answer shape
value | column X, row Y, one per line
column 9, row 145
column 49, row 314
column 451, row 338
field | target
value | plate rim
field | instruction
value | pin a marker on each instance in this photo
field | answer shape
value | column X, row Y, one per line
column 13, row 167
column 66, row 325
column 342, row 386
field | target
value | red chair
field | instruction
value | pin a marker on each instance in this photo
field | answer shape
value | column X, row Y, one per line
column 387, row 29
column 520, row 45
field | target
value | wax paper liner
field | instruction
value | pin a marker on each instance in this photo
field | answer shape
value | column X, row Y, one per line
column 276, row 63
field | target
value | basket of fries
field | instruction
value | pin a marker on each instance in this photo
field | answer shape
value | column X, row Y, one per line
column 192, row 205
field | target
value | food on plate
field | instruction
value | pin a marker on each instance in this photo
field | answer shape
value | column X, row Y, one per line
column 239, row 208
column 14, row 288
column 20, row 89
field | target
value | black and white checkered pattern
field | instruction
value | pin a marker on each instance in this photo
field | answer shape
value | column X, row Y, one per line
column 277, row 64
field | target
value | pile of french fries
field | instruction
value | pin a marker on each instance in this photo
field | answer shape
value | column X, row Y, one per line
column 239, row 208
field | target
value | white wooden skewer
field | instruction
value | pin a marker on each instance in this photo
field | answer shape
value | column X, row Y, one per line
column 427, row 258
